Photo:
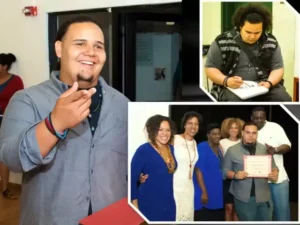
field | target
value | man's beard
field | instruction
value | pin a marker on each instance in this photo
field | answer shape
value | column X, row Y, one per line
column 81, row 77
column 249, row 143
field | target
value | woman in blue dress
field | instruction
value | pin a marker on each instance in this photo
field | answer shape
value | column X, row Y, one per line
column 210, row 164
column 154, row 198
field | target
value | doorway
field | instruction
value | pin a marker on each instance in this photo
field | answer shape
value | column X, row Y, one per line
column 147, row 51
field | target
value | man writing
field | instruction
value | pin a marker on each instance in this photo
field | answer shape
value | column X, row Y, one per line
column 68, row 135
column 229, row 62
column 273, row 136
column 251, row 195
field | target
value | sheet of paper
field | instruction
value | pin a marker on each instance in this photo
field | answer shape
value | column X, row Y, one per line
column 258, row 165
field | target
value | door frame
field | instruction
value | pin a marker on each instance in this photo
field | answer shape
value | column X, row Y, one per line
column 124, row 48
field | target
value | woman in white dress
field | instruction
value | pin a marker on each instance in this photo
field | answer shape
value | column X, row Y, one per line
column 231, row 132
column 186, row 154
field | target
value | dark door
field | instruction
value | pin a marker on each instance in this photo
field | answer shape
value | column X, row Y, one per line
column 148, row 52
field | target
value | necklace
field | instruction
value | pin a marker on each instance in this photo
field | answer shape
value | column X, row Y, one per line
column 169, row 160
column 190, row 160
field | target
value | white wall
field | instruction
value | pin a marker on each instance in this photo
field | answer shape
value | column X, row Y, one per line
column 297, row 49
column 27, row 37
column 209, row 30
column 285, row 34
column 211, row 21
column 67, row 5
column 284, row 28
column 138, row 113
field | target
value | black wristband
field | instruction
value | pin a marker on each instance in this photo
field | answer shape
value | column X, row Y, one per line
column 271, row 85
column 225, row 81
column 58, row 135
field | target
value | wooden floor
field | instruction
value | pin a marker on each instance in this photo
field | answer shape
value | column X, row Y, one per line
column 10, row 209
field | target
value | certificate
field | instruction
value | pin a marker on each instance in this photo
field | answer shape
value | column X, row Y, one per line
column 258, row 165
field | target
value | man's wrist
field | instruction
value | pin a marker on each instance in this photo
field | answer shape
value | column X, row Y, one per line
column 58, row 128
column 271, row 84
column 233, row 177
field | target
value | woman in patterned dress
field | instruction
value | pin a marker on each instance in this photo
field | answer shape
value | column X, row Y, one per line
column 186, row 154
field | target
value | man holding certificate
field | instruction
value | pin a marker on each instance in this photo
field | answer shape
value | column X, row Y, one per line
column 250, row 167
column 275, row 139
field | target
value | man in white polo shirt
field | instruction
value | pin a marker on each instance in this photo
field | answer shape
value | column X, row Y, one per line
column 274, row 137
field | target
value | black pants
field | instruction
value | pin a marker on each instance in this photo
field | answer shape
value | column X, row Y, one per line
column 209, row 215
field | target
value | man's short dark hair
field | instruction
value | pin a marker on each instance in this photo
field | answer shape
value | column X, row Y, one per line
column 258, row 109
column 249, row 123
column 78, row 19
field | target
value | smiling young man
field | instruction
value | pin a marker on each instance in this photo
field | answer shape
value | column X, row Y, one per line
column 248, row 52
column 68, row 135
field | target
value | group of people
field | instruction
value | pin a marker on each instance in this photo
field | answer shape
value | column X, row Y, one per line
column 175, row 179
column 9, row 85
column 68, row 138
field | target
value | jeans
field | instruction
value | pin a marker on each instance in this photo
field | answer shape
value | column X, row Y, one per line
column 280, row 204
column 252, row 211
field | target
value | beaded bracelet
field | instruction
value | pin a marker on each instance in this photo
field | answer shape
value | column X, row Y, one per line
column 51, row 128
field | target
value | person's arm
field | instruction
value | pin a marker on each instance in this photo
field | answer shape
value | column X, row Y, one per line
column 273, row 176
column 228, row 165
column 276, row 76
column 215, row 75
column 25, row 141
column 200, row 180
column 20, row 132
column 277, row 67
column 228, row 169
column 285, row 142
column 137, row 164
column 282, row 149
column 214, row 63
column 200, row 169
